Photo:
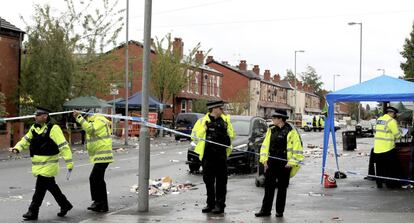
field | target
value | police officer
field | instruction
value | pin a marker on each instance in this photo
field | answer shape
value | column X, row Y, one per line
column 214, row 126
column 386, row 159
column 46, row 143
column 99, row 147
column 282, row 141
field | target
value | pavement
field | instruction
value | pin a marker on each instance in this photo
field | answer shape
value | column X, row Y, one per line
column 354, row 200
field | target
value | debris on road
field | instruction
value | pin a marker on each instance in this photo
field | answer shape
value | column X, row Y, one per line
column 164, row 186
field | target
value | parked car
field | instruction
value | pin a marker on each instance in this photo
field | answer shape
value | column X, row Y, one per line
column 364, row 128
column 250, row 132
column 184, row 123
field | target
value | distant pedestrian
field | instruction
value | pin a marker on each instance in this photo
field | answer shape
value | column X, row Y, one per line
column 214, row 126
column 46, row 144
column 99, row 147
column 314, row 124
column 321, row 123
column 282, row 141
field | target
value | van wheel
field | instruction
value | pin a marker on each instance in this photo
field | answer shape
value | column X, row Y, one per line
column 306, row 128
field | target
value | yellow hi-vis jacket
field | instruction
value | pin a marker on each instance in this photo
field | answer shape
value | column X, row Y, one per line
column 98, row 138
column 294, row 149
column 386, row 132
column 321, row 122
column 47, row 165
column 199, row 131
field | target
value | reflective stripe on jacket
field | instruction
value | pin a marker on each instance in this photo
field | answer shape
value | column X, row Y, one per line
column 386, row 132
column 98, row 138
column 47, row 166
column 294, row 149
column 199, row 131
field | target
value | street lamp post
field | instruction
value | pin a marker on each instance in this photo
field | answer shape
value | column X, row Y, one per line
column 360, row 60
column 294, row 111
column 335, row 75
column 383, row 70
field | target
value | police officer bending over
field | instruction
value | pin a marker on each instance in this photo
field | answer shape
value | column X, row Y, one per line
column 46, row 143
column 214, row 126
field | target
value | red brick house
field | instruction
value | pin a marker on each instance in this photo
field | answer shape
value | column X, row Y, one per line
column 265, row 93
column 203, row 82
column 11, row 38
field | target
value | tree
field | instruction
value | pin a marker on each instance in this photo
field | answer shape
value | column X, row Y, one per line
column 367, row 107
column 2, row 105
column 169, row 71
column 311, row 78
column 50, row 71
column 200, row 106
column 290, row 76
column 240, row 102
column 48, row 66
column 100, row 28
column 408, row 54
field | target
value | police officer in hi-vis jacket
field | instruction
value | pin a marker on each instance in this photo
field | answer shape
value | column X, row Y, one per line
column 46, row 143
column 214, row 126
column 99, row 146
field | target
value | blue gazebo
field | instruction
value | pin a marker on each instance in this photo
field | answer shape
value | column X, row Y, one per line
column 382, row 89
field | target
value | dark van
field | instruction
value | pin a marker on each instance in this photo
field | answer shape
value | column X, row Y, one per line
column 185, row 122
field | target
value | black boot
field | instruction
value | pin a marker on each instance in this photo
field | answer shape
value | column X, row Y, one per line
column 31, row 215
column 262, row 214
column 218, row 210
column 99, row 207
column 64, row 210
column 93, row 206
column 207, row 209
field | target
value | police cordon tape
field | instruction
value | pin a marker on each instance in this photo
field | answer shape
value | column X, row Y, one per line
column 31, row 116
column 381, row 177
column 152, row 125
column 141, row 121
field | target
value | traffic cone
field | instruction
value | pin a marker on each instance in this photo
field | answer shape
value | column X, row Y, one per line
column 329, row 182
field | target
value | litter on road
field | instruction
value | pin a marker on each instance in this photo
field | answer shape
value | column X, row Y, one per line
column 164, row 186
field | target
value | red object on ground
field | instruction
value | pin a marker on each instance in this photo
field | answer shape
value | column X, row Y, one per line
column 328, row 181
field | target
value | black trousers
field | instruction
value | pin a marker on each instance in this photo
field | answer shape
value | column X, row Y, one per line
column 44, row 184
column 215, row 178
column 387, row 165
column 98, row 185
column 276, row 176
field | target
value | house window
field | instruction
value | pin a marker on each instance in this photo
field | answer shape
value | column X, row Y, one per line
column 212, row 86
column 218, row 86
column 205, row 79
column 190, row 105
column 188, row 81
column 197, row 75
column 183, row 106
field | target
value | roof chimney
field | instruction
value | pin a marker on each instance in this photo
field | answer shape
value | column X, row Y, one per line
column 209, row 59
column 178, row 47
column 267, row 75
column 243, row 65
column 199, row 57
column 276, row 78
column 256, row 69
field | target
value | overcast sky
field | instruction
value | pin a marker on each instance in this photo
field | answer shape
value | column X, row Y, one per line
column 267, row 32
